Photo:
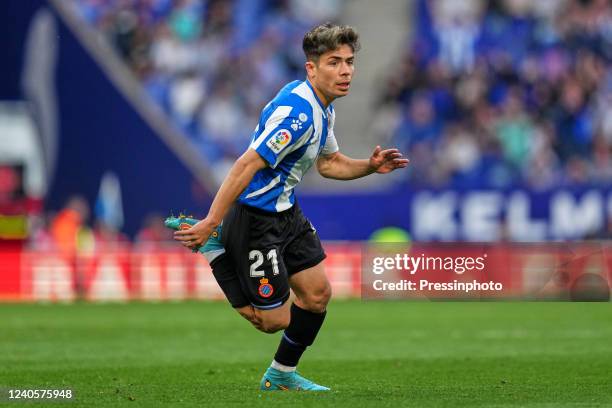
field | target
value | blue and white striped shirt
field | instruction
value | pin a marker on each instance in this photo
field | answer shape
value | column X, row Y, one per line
column 293, row 130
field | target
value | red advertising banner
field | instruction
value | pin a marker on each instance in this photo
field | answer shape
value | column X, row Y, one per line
column 574, row 271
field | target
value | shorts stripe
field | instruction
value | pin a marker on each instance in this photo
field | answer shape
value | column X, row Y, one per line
column 272, row 306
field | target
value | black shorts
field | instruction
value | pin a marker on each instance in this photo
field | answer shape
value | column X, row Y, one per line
column 262, row 250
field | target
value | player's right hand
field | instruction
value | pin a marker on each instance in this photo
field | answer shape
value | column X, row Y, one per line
column 195, row 236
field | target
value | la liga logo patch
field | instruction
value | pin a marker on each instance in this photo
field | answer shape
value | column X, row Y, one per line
column 265, row 289
column 279, row 140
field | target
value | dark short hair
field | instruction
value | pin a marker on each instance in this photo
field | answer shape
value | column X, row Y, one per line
column 328, row 37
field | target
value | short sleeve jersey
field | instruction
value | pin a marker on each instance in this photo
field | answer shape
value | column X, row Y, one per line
column 293, row 130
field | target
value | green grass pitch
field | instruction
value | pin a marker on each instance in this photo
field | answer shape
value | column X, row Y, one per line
column 418, row 354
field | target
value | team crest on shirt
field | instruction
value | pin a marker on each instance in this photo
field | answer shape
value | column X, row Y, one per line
column 279, row 141
column 265, row 289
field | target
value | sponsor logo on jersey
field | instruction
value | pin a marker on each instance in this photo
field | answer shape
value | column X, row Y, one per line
column 296, row 125
column 279, row 141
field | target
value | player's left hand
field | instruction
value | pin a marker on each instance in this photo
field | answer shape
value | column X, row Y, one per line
column 385, row 161
column 195, row 236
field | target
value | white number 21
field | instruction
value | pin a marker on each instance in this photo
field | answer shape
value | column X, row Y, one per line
column 258, row 257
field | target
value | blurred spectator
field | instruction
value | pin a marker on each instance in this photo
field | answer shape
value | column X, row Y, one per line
column 107, row 237
column 223, row 117
column 69, row 230
column 456, row 26
column 459, row 155
column 40, row 237
column 419, row 124
column 514, row 130
column 573, row 122
column 153, row 232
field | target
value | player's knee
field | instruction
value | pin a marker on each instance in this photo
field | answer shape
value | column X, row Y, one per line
column 249, row 314
column 255, row 320
column 245, row 312
column 272, row 324
column 257, row 323
column 317, row 300
column 271, row 327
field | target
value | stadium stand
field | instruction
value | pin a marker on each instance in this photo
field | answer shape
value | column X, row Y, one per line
column 488, row 94
column 211, row 65
column 505, row 93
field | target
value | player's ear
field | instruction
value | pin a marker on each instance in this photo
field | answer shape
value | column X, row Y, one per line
column 311, row 69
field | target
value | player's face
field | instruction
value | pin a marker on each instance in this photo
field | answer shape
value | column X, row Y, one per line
column 331, row 76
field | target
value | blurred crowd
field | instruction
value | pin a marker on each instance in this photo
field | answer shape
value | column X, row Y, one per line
column 498, row 93
column 211, row 64
column 69, row 231
column 504, row 93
